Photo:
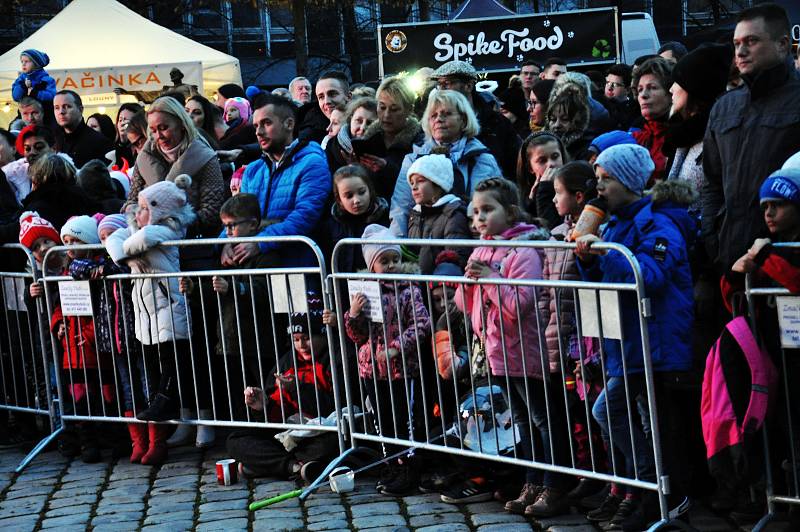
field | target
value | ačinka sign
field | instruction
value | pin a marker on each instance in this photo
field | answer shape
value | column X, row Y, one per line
column 502, row 43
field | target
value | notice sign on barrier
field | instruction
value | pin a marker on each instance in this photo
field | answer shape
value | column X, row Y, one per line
column 14, row 292
column 372, row 290
column 789, row 321
column 280, row 295
column 75, row 297
column 609, row 310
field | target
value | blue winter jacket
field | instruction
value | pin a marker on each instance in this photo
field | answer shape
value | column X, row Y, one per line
column 473, row 161
column 659, row 234
column 43, row 87
column 292, row 199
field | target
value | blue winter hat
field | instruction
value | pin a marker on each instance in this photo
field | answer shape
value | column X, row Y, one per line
column 40, row 59
column 612, row 138
column 781, row 185
column 630, row 164
column 251, row 92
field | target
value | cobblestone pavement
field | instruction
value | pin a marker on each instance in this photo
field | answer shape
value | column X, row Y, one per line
column 116, row 496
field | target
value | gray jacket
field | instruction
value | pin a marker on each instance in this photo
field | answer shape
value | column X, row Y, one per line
column 751, row 132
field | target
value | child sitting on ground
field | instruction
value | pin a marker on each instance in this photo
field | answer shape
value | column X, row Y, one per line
column 437, row 213
column 302, row 385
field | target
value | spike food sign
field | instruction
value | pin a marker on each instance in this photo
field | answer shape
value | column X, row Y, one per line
column 499, row 44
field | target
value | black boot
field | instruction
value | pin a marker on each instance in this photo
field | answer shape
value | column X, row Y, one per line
column 162, row 408
column 90, row 452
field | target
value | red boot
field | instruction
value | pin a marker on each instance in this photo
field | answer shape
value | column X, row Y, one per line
column 138, row 432
column 158, row 444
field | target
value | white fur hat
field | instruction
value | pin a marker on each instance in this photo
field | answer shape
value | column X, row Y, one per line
column 436, row 168
column 167, row 199
column 84, row 228
column 373, row 251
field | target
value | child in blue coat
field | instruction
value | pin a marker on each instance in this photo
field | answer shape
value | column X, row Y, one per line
column 34, row 81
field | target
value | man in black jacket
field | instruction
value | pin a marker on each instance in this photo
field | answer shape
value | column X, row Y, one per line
column 73, row 136
column 497, row 133
column 752, row 130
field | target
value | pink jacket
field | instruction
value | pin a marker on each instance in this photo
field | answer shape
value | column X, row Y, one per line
column 509, row 263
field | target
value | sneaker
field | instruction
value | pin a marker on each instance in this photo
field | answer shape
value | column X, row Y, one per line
column 643, row 515
column 595, row 500
column 528, row 496
column 471, row 490
column 386, row 476
column 606, row 510
column 549, row 503
column 437, row 482
column 311, row 470
column 405, row 481
column 626, row 507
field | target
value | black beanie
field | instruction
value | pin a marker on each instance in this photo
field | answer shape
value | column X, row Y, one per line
column 703, row 72
column 231, row 90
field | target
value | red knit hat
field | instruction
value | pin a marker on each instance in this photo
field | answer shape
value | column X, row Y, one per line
column 32, row 227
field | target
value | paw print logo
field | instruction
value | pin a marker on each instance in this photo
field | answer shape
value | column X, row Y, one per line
column 520, row 57
column 468, row 60
column 547, row 23
column 571, row 34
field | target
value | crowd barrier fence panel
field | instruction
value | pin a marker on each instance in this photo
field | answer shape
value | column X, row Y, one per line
column 480, row 401
column 93, row 388
column 781, row 431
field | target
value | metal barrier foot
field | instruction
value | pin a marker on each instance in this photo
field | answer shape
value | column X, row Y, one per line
column 39, row 448
column 763, row 522
column 671, row 524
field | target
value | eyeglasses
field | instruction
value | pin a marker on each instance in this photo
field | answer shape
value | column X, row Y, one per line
column 614, row 85
column 229, row 227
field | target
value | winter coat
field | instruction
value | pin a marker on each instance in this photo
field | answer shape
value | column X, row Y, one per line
column 9, row 205
column 83, row 145
column 498, row 135
column 237, row 318
column 111, row 301
column 413, row 329
column 751, row 132
column 55, row 202
column 311, row 382
column 43, row 86
column 685, row 138
column 311, row 124
column 341, row 224
column 237, row 136
column 558, row 304
column 78, row 343
column 658, row 230
column 482, row 304
column 447, row 218
column 200, row 162
column 653, row 136
column 158, row 306
column 294, row 195
column 472, row 160
column 384, row 180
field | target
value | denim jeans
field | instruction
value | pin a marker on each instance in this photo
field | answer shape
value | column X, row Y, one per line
column 614, row 423
column 556, row 428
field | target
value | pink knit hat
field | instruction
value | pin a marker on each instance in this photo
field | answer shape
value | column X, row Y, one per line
column 241, row 104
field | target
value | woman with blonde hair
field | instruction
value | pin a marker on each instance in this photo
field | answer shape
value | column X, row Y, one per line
column 175, row 147
column 450, row 127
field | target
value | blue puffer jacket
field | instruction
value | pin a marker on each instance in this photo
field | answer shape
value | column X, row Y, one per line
column 658, row 230
column 473, row 161
column 292, row 199
column 43, row 87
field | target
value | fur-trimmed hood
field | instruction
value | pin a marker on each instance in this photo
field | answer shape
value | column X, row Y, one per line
column 406, row 268
column 408, row 136
column 677, row 191
column 523, row 231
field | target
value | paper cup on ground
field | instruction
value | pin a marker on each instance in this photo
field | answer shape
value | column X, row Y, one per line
column 227, row 472
column 342, row 479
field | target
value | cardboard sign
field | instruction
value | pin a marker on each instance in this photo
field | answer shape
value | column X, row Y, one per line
column 371, row 289
column 14, row 293
column 609, row 310
column 280, row 295
column 76, row 298
column 789, row 321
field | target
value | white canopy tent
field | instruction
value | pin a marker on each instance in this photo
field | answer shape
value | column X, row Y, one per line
column 104, row 42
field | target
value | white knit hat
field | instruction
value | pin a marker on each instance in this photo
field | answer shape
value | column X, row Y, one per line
column 373, row 251
column 167, row 199
column 436, row 168
column 84, row 228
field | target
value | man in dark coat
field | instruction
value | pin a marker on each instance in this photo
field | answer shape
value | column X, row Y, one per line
column 332, row 91
column 73, row 136
column 497, row 132
column 751, row 132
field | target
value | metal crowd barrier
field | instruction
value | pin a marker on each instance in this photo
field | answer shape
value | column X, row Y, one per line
column 92, row 372
column 472, row 415
column 781, row 431
column 24, row 369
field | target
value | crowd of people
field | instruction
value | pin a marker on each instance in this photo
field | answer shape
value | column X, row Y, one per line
column 694, row 156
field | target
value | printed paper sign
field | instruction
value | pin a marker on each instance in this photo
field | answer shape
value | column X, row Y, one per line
column 789, row 321
column 14, row 293
column 280, row 296
column 609, row 310
column 76, row 298
column 371, row 289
